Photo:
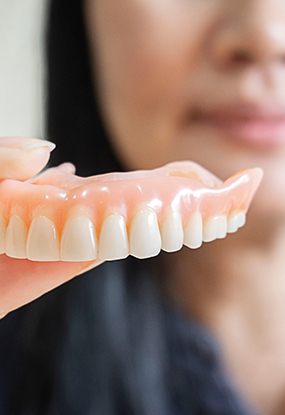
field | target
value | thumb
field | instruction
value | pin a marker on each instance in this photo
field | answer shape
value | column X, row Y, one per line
column 22, row 157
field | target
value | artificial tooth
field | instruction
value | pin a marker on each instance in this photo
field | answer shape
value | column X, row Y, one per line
column 172, row 234
column 145, row 239
column 43, row 242
column 241, row 219
column 78, row 241
column 221, row 221
column 2, row 236
column 235, row 221
column 113, row 242
column 16, row 237
column 214, row 228
column 193, row 232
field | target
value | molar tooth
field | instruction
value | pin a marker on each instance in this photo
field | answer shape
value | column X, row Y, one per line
column 113, row 242
column 43, row 242
column 16, row 237
column 172, row 234
column 78, row 242
column 2, row 235
column 193, row 232
column 145, row 239
column 235, row 221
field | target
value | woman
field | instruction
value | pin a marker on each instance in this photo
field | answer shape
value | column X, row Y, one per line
column 196, row 332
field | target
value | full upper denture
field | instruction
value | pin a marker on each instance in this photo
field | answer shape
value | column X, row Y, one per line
column 61, row 216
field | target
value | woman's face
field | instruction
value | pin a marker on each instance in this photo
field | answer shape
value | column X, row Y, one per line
column 194, row 79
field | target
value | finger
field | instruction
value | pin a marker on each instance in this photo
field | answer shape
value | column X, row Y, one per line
column 27, row 280
column 22, row 158
column 67, row 168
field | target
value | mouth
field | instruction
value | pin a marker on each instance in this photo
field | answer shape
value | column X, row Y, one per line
column 262, row 127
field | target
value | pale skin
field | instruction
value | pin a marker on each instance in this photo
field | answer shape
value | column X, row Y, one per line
column 159, row 61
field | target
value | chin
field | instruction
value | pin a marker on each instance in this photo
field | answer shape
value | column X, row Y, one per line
column 269, row 202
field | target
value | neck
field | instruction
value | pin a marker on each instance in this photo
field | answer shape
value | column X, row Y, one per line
column 247, row 268
column 236, row 287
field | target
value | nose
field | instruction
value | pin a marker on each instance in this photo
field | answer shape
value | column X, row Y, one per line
column 254, row 33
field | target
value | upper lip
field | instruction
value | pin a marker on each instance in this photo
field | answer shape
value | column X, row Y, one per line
column 241, row 112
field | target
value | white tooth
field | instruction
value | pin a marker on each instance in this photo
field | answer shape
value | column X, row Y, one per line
column 113, row 242
column 2, row 236
column 193, row 232
column 43, row 242
column 16, row 238
column 172, row 234
column 241, row 219
column 221, row 221
column 78, row 241
column 235, row 221
column 145, row 239
column 215, row 228
column 209, row 230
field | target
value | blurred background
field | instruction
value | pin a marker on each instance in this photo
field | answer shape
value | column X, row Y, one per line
column 21, row 67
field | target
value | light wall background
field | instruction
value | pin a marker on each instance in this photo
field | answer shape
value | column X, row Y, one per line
column 22, row 25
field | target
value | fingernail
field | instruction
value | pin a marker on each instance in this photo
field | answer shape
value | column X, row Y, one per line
column 39, row 144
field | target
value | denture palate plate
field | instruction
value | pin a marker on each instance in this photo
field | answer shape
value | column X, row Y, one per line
column 215, row 228
column 145, row 239
column 79, row 240
column 16, row 238
column 193, row 232
column 235, row 221
column 113, row 241
column 172, row 234
column 43, row 240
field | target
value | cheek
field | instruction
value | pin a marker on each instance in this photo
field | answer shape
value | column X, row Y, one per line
column 148, row 47
column 145, row 55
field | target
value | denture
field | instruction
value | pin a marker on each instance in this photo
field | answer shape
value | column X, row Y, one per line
column 58, row 216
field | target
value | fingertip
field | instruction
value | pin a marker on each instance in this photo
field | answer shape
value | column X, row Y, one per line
column 67, row 168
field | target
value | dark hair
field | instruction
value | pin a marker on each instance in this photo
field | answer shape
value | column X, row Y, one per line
column 98, row 344
column 74, row 120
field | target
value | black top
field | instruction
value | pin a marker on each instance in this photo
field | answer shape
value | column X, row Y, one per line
column 197, row 382
column 195, row 362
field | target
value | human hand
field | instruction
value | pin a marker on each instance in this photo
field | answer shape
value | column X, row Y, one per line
column 21, row 280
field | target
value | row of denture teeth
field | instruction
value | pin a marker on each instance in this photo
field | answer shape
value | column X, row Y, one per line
column 79, row 241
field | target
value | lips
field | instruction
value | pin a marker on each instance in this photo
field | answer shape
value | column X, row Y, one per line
column 259, row 126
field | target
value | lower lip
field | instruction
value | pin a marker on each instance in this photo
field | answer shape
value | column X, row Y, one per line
column 268, row 134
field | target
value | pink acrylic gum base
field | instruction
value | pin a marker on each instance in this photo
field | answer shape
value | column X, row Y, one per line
column 180, row 186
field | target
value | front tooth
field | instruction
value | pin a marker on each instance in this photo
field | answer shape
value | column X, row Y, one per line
column 193, row 232
column 43, row 242
column 215, row 228
column 16, row 237
column 172, row 234
column 2, row 236
column 145, row 239
column 113, row 243
column 78, row 242
column 235, row 221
